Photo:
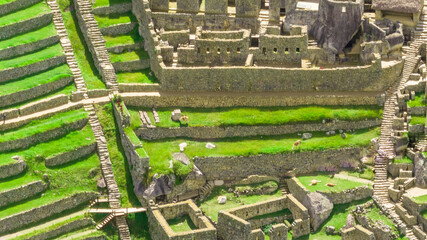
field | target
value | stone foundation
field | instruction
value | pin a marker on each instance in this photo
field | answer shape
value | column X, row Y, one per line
column 12, row 169
column 71, row 156
column 21, row 193
column 25, row 26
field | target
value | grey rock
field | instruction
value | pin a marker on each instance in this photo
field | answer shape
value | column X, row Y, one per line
column 343, row 135
column 350, row 222
column 176, row 115
column 330, row 230
column 306, row 136
column 101, row 183
column 182, row 157
column 332, row 133
column 159, row 186
column 319, row 208
column 45, row 177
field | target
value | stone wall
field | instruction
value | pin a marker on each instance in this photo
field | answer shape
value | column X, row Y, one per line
column 12, row 169
column 297, row 189
column 126, row 48
column 120, row 8
column 66, row 228
column 25, row 26
column 357, row 233
column 131, row 65
column 417, row 111
column 139, row 87
column 21, row 193
column 34, row 92
column 174, row 38
column 97, row 93
column 23, row 143
column 118, row 29
column 16, row 5
column 48, row 103
column 14, row 73
column 71, row 155
column 29, row 47
column 394, row 168
column 239, row 167
column 245, row 131
column 34, row 215
column 213, row 100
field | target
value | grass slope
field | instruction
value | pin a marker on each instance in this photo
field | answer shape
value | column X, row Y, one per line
column 341, row 184
column 129, row 56
column 29, row 37
column 24, row 14
column 103, row 3
column 182, row 224
column 110, row 20
column 38, row 56
column 128, row 39
column 142, row 76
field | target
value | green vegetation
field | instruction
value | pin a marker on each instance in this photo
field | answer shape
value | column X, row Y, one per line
column 132, row 136
column 265, row 115
column 160, row 152
column 181, row 170
column 419, row 101
column 5, row 1
column 182, row 224
column 340, row 184
column 142, row 76
column 39, row 126
column 117, row 155
column 102, row 3
column 421, row 199
column 24, row 14
column 18, row 182
column 367, row 173
column 129, row 39
column 424, row 213
column 129, row 56
column 405, row 159
column 24, row 83
column 82, row 54
column 110, row 20
column 375, row 214
column 29, row 37
column 44, row 54
column 417, row 120
column 268, row 184
column 211, row 207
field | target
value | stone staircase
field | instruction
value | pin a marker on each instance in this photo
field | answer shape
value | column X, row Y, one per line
column 107, row 171
column 206, row 189
column 66, row 45
column 283, row 186
column 94, row 37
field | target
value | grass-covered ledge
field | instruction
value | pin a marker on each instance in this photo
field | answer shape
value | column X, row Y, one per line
column 104, row 3
column 419, row 101
column 128, row 39
column 142, row 76
column 340, row 184
column 29, row 37
column 110, row 20
column 38, row 56
column 24, row 14
column 420, row 199
column 160, row 152
column 260, row 116
column 415, row 120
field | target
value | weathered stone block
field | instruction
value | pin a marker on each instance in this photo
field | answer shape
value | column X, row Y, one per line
column 187, row 6
column 160, row 5
column 247, row 8
column 216, row 6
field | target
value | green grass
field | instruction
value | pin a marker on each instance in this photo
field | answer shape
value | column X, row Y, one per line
column 64, row 182
column 421, row 199
column 417, row 120
column 82, row 54
column 24, row 83
column 141, row 76
column 375, row 214
column 128, row 56
column 44, row 54
column 6, row 1
column 366, row 174
column 424, row 213
column 265, row 115
column 118, row 158
column 341, row 184
column 39, row 126
column 66, row 143
column 211, row 207
column 182, row 224
column 128, row 39
column 15, row 183
column 110, row 20
column 103, row 3
column 419, row 100
column 24, row 14
column 132, row 136
column 405, row 159
column 160, row 152
column 67, row 90
column 29, row 37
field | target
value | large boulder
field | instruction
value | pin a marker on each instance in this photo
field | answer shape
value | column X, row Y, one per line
column 319, row 208
column 159, row 186
column 420, row 169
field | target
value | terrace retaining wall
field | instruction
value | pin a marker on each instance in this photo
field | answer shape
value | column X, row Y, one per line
column 14, row 73
column 43, row 136
column 25, row 26
column 113, row 9
column 16, row 5
column 12, row 169
column 21, row 193
column 22, row 219
column 118, row 29
column 29, row 47
column 245, row 131
column 126, row 48
column 35, row 92
column 48, row 103
column 66, row 228
column 238, row 167
column 71, row 155
column 139, row 87
column 131, row 66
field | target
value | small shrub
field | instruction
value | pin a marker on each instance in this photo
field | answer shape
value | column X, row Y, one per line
column 181, row 170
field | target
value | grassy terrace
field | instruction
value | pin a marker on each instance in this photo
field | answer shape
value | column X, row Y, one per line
column 211, row 207
column 341, row 184
column 160, row 152
column 24, row 83
column 182, row 224
column 103, row 3
column 424, row 214
column 24, row 14
column 82, row 54
column 29, row 37
column 128, row 56
column 4, row 186
column 419, row 100
column 39, row 126
column 128, row 39
column 141, row 76
column 421, row 199
column 417, row 120
column 38, row 56
column 405, row 159
column 260, row 116
column 110, row 20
